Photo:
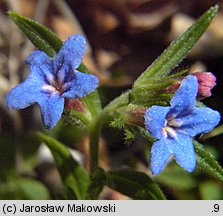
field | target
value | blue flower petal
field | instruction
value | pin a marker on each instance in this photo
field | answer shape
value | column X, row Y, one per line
column 155, row 119
column 37, row 57
column 159, row 156
column 200, row 120
column 25, row 94
column 51, row 107
column 183, row 149
column 71, row 53
column 41, row 65
column 80, row 84
column 53, row 79
column 185, row 97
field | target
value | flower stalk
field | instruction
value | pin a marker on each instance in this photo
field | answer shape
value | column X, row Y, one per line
column 96, row 125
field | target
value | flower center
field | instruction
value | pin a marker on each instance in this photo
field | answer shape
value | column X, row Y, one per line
column 59, row 87
column 54, row 85
column 170, row 127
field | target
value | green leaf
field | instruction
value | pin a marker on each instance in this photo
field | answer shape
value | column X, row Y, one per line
column 22, row 188
column 207, row 162
column 73, row 175
column 156, row 83
column 134, row 184
column 176, row 178
column 43, row 38
column 97, row 184
column 211, row 191
column 216, row 132
column 178, row 49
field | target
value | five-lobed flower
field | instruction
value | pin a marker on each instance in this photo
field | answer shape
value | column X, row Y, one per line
column 174, row 126
column 52, row 80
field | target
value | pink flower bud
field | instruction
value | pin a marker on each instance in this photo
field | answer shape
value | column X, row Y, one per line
column 206, row 81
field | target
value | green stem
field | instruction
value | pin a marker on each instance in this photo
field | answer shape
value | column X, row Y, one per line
column 94, row 146
column 96, row 125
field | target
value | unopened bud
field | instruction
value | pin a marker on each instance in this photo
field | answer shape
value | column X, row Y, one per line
column 206, row 81
column 136, row 116
column 74, row 104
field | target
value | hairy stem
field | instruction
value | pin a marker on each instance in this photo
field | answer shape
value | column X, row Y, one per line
column 95, row 127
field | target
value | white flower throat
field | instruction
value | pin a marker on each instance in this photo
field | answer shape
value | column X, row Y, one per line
column 170, row 127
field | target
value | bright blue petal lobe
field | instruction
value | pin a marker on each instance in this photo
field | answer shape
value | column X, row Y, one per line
column 25, row 94
column 38, row 57
column 79, row 84
column 51, row 107
column 41, row 65
column 185, row 97
column 71, row 53
column 200, row 120
column 155, row 120
column 159, row 156
column 183, row 150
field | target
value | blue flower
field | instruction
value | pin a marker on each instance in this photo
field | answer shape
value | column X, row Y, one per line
column 175, row 126
column 51, row 80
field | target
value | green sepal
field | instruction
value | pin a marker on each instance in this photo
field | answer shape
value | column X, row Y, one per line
column 134, row 184
column 146, row 134
column 207, row 163
column 163, row 80
column 118, row 122
column 129, row 133
column 155, row 90
column 77, row 118
column 150, row 98
column 43, row 38
column 73, row 175
column 178, row 49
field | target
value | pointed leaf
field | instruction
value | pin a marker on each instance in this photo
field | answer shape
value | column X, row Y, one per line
column 207, row 162
column 43, row 38
column 96, row 185
column 178, row 49
column 176, row 178
column 73, row 175
column 134, row 184
column 216, row 132
column 20, row 188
